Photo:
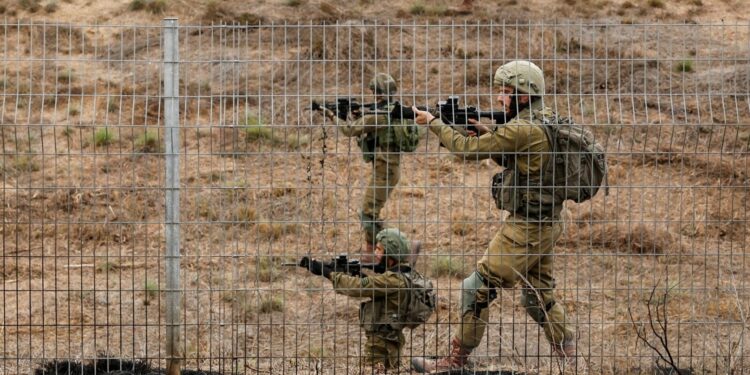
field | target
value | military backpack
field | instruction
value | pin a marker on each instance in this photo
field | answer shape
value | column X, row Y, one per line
column 420, row 303
column 576, row 170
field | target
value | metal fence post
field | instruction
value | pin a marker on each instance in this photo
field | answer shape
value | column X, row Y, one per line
column 172, row 192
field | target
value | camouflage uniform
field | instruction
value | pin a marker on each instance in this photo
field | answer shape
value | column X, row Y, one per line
column 522, row 250
column 389, row 294
column 378, row 141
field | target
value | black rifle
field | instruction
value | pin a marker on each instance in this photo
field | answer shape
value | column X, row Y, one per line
column 451, row 114
column 398, row 112
column 354, row 267
column 343, row 106
column 342, row 263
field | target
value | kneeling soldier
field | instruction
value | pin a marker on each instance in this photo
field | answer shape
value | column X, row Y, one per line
column 399, row 297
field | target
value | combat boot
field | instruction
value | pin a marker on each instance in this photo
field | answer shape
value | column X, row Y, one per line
column 455, row 360
column 566, row 350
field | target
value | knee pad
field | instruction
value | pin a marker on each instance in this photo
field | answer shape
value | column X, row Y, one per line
column 536, row 309
column 469, row 288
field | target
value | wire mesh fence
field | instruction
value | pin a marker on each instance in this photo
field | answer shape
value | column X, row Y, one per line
column 652, row 275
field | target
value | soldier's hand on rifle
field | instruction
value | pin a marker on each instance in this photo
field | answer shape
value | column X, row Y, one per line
column 422, row 117
column 481, row 127
column 328, row 113
column 315, row 267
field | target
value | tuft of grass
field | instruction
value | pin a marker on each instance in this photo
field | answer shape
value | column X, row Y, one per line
column 293, row 3
column 269, row 304
column 444, row 266
column 50, row 7
column 148, row 142
column 104, row 137
column 136, row 5
column 153, row 6
column 112, row 105
column 151, row 290
column 65, row 76
column 67, row 131
column 245, row 214
column 656, row 3
column 417, row 9
column 73, row 111
column 105, row 267
column 274, row 230
column 267, row 271
column 30, row 5
column 684, row 66
column 26, row 163
column 698, row 3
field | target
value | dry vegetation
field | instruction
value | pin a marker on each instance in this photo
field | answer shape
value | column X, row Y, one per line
column 264, row 182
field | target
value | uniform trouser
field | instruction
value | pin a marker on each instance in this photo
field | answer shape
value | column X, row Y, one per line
column 385, row 176
column 384, row 348
column 521, row 253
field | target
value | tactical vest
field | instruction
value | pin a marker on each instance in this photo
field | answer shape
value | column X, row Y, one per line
column 415, row 305
column 524, row 194
column 399, row 136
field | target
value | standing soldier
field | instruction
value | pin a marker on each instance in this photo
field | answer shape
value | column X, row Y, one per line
column 399, row 298
column 382, row 140
column 522, row 250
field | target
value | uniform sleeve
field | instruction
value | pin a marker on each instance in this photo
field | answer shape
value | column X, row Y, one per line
column 364, row 124
column 372, row 286
column 507, row 138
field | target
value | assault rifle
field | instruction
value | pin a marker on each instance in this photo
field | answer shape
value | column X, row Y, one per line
column 342, row 263
column 343, row 106
column 354, row 267
column 451, row 114
column 398, row 113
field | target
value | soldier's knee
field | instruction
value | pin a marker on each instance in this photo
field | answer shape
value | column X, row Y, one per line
column 470, row 288
column 535, row 307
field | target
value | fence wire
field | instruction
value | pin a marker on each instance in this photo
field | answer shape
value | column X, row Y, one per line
column 656, row 267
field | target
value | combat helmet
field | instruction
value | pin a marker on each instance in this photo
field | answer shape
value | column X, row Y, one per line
column 383, row 84
column 524, row 76
column 394, row 243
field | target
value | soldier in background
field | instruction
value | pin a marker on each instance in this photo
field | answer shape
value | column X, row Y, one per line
column 522, row 250
column 399, row 298
column 382, row 141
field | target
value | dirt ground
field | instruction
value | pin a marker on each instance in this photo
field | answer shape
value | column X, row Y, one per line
column 663, row 84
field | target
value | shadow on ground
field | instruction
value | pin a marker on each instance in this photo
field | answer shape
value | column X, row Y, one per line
column 108, row 366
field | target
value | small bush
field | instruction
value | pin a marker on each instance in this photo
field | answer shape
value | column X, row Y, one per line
column 153, row 6
column 136, row 5
column 73, row 111
column 444, row 266
column 112, row 105
column 65, row 76
column 67, row 131
column 698, row 3
column 51, row 7
column 30, row 5
column 151, row 289
column 26, row 164
column 105, row 267
column 266, row 270
column 270, row 304
column 656, row 3
column 684, row 66
column 417, row 9
column 148, row 143
column 104, row 137
column 293, row 3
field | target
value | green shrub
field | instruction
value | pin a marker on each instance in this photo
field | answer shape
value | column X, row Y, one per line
column 148, row 142
column 684, row 66
column 103, row 137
